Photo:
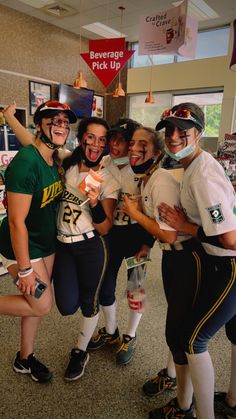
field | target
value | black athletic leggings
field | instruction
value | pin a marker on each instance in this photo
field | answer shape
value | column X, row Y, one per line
column 182, row 275
column 201, row 294
column 125, row 241
column 78, row 273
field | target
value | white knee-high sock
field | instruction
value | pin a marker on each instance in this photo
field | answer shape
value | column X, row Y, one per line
column 87, row 327
column 110, row 318
column 133, row 322
column 170, row 366
column 184, row 386
column 231, row 396
column 202, row 375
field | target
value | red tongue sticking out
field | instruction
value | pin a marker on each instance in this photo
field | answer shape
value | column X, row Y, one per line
column 93, row 155
column 134, row 160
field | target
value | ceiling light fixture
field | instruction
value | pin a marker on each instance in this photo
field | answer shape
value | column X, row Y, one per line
column 150, row 98
column 119, row 91
column 103, row 30
column 80, row 81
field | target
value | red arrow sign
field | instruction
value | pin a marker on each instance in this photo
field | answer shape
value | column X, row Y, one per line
column 106, row 57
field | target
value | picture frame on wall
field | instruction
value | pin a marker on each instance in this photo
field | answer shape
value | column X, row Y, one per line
column 98, row 106
column 38, row 93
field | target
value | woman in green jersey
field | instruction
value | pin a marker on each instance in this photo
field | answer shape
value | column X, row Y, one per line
column 27, row 234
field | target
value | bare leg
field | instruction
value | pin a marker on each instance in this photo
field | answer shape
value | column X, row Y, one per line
column 29, row 324
column 29, row 328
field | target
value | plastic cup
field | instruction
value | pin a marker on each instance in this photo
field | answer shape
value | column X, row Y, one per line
column 137, row 300
column 93, row 179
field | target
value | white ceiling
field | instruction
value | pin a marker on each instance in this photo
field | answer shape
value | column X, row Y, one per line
column 107, row 12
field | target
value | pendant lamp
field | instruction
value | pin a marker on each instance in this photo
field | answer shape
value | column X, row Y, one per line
column 119, row 91
column 150, row 98
column 80, row 80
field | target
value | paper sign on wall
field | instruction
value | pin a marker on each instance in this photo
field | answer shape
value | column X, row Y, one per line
column 106, row 57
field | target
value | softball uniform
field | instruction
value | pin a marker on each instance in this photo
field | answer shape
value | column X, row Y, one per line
column 125, row 237
column 81, row 253
column 208, row 198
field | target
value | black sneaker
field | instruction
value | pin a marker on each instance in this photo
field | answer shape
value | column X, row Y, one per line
column 221, row 407
column 172, row 411
column 103, row 338
column 77, row 363
column 32, row 366
column 160, row 383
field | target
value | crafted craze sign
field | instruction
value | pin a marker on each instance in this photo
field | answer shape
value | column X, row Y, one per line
column 106, row 57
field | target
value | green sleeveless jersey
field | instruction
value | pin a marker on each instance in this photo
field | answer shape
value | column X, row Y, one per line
column 28, row 173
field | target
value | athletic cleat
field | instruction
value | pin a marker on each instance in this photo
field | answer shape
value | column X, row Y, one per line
column 126, row 351
column 160, row 383
column 32, row 366
column 172, row 411
column 77, row 363
column 103, row 338
column 221, row 407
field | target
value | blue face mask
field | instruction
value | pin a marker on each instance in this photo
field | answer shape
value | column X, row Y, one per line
column 121, row 160
column 182, row 153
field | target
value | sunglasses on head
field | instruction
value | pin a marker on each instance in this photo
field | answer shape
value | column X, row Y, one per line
column 55, row 105
column 179, row 113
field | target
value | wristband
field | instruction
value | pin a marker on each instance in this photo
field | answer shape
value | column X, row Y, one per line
column 25, row 269
column 214, row 240
column 26, row 273
column 98, row 213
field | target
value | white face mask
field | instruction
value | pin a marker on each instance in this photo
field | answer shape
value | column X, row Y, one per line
column 121, row 160
column 185, row 152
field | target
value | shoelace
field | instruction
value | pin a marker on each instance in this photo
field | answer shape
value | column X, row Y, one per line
column 158, row 378
column 174, row 411
column 101, row 333
column 124, row 347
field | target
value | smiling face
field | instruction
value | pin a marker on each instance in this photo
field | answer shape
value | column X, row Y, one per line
column 94, row 141
column 141, row 147
column 177, row 139
column 56, row 128
column 118, row 146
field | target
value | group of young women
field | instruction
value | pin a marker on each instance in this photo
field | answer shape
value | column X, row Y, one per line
column 199, row 279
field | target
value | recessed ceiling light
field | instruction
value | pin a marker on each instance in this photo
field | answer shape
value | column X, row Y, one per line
column 103, row 30
column 199, row 10
column 37, row 3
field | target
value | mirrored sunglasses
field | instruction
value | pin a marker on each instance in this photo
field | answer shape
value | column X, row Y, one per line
column 179, row 113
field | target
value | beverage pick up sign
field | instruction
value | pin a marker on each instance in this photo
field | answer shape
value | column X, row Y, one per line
column 106, row 57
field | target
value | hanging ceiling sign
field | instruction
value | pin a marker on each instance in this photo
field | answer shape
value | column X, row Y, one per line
column 188, row 49
column 163, row 32
column 106, row 57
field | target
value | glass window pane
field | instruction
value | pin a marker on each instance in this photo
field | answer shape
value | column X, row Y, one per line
column 146, row 113
column 146, row 60
column 212, row 43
